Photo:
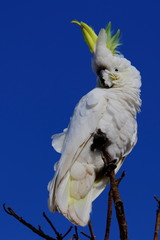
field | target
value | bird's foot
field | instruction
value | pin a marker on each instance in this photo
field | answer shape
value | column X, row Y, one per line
column 110, row 167
column 99, row 141
column 106, row 170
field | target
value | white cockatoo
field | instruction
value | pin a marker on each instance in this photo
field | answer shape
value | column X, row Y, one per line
column 109, row 110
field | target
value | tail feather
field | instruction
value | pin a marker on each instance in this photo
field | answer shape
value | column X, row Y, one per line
column 79, row 210
column 76, row 207
column 76, row 210
column 58, row 195
column 51, row 200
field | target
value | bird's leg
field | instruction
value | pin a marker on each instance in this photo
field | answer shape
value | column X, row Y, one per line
column 100, row 143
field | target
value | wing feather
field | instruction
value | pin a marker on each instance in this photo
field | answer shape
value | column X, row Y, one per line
column 83, row 124
column 58, row 140
column 72, row 145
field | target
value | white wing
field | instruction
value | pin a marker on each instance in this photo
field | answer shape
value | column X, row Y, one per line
column 76, row 161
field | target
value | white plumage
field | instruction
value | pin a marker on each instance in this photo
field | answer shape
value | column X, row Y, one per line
column 110, row 107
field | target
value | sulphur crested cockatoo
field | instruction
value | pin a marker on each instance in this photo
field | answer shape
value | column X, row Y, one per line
column 110, row 109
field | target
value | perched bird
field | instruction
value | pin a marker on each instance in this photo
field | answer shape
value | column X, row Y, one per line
column 106, row 116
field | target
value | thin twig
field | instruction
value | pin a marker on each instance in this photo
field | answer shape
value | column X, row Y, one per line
column 75, row 236
column 86, row 235
column 91, row 236
column 121, row 177
column 68, row 231
column 38, row 231
column 59, row 235
column 91, row 230
column 157, row 223
column 156, row 198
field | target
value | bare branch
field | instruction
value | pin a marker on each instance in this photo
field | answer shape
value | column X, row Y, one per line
column 5, row 209
column 75, row 236
column 59, row 236
column 109, row 209
column 119, row 208
column 109, row 215
column 156, row 198
column 121, row 177
column 116, row 198
column 38, row 231
column 86, row 235
column 91, row 230
column 68, row 231
column 157, row 223
column 92, row 236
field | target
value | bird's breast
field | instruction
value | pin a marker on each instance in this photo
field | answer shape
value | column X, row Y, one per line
column 120, row 127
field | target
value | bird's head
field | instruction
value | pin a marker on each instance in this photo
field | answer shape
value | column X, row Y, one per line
column 111, row 68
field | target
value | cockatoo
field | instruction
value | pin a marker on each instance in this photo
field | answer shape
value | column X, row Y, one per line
column 106, row 112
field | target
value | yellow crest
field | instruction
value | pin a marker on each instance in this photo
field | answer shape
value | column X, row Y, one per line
column 90, row 37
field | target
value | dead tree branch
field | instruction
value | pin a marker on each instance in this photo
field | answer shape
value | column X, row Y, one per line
column 86, row 235
column 75, row 236
column 91, row 230
column 109, row 215
column 50, row 223
column 59, row 235
column 92, row 236
column 157, row 224
column 38, row 230
column 120, row 214
column 109, row 209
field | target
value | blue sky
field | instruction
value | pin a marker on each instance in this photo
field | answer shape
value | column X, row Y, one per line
column 45, row 68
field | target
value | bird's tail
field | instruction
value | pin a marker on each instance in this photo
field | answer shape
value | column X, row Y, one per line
column 61, row 199
column 73, row 197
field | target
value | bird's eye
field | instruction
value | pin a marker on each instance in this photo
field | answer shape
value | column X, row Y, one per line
column 116, row 69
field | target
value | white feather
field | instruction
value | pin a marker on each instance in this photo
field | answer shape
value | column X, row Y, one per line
column 58, row 139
